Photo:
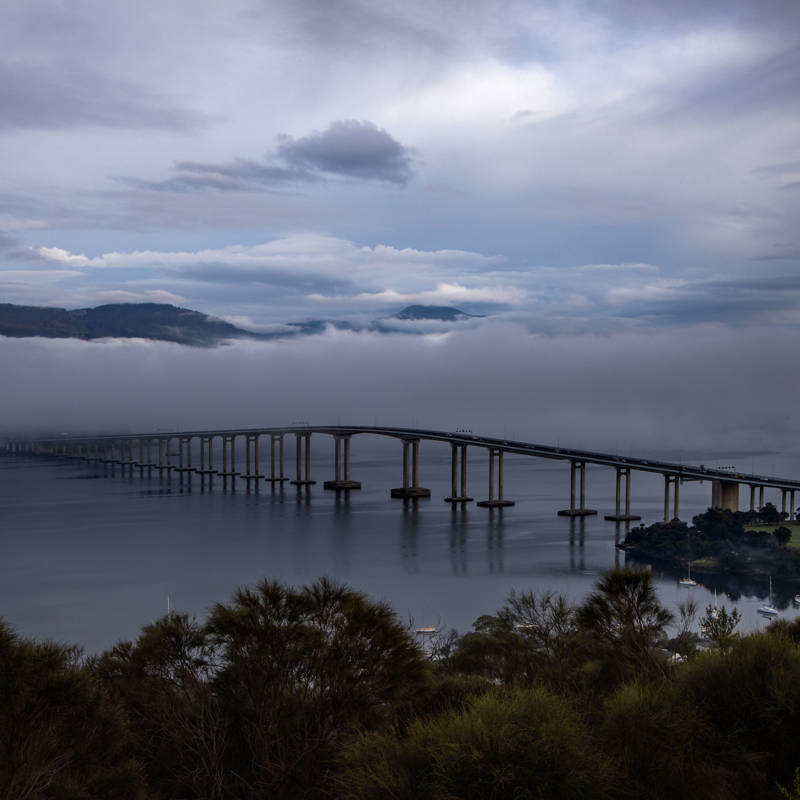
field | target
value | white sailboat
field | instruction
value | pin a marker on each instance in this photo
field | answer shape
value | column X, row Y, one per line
column 769, row 610
column 688, row 580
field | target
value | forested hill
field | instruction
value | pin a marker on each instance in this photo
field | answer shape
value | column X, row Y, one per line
column 145, row 320
column 185, row 326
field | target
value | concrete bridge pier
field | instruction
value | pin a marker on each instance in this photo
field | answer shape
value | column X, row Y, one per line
column 457, row 496
column 163, row 458
column 126, row 452
column 725, row 495
column 497, row 502
column 618, row 515
column 106, row 454
column 150, row 462
column 787, row 494
column 342, row 480
column 303, row 478
column 206, row 447
column 185, row 458
column 228, row 441
column 752, row 497
column 573, row 510
column 760, row 497
column 673, row 480
column 251, row 460
column 280, row 477
column 410, row 487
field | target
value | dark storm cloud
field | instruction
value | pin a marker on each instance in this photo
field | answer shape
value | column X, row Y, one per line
column 352, row 149
column 349, row 149
column 68, row 96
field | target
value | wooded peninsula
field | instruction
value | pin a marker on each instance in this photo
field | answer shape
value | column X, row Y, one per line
column 741, row 543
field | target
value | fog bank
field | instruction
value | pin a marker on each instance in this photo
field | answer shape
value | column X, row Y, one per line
column 705, row 388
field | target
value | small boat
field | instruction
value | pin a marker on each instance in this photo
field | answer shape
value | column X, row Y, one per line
column 769, row 610
column 688, row 580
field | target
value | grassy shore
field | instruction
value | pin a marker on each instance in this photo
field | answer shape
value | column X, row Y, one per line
column 794, row 527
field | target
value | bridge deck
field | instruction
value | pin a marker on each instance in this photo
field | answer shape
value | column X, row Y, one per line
column 683, row 471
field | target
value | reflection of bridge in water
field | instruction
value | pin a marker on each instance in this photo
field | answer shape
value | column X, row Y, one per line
column 156, row 451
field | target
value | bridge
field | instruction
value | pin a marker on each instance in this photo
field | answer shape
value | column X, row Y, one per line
column 156, row 451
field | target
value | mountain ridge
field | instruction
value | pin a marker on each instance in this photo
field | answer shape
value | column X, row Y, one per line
column 165, row 322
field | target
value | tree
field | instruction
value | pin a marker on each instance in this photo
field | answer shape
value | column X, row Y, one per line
column 163, row 681
column 623, row 622
column 782, row 534
column 792, row 793
column 658, row 741
column 301, row 671
column 519, row 743
column 523, row 643
column 60, row 736
column 719, row 625
column 769, row 514
column 684, row 640
column 750, row 696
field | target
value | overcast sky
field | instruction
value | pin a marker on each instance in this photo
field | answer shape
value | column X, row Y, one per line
column 590, row 166
column 626, row 168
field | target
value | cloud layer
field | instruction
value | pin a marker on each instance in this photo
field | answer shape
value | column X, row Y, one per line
column 707, row 391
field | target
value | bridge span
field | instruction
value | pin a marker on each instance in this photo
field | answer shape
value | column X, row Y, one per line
column 156, row 451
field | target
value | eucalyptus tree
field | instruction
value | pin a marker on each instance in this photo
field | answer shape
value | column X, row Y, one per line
column 60, row 736
column 301, row 671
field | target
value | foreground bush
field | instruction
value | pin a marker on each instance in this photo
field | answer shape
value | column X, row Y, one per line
column 60, row 737
column 521, row 743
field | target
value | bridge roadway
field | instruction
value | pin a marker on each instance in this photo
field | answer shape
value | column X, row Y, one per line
column 725, row 483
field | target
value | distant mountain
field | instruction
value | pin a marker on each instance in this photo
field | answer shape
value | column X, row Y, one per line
column 182, row 325
column 144, row 320
column 441, row 313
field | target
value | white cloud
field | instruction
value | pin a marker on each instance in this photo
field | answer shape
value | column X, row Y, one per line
column 144, row 296
column 659, row 290
column 443, row 293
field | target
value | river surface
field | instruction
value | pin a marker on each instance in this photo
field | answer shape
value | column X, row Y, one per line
column 90, row 556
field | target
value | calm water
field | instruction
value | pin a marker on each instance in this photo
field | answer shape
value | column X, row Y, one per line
column 89, row 557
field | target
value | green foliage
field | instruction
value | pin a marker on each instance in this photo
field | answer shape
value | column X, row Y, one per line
column 319, row 693
column 783, row 535
column 623, row 622
column 522, row 743
column 163, row 683
column 750, row 695
column 722, row 538
column 719, row 626
column 657, row 740
column 792, row 793
column 302, row 670
column 524, row 643
column 60, row 737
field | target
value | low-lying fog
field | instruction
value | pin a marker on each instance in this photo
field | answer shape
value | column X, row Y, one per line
column 703, row 390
